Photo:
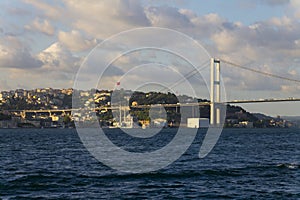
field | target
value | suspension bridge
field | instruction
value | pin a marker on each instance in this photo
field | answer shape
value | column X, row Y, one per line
column 215, row 102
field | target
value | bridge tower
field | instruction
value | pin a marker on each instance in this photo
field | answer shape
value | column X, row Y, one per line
column 215, row 93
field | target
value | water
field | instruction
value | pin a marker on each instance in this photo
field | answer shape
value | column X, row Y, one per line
column 245, row 164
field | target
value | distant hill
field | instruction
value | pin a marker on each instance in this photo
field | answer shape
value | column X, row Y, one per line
column 62, row 99
column 291, row 118
column 294, row 119
column 261, row 116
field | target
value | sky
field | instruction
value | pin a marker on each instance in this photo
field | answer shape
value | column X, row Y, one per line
column 43, row 43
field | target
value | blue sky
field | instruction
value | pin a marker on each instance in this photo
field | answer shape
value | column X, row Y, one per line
column 44, row 43
column 244, row 11
column 247, row 12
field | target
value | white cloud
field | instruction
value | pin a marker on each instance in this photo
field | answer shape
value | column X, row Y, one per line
column 75, row 41
column 284, row 21
column 295, row 7
column 58, row 58
column 293, row 72
column 101, row 19
column 272, row 42
column 44, row 26
column 164, row 17
column 226, row 41
column 53, row 11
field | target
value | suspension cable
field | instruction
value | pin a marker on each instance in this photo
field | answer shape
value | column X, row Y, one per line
column 260, row 72
column 189, row 75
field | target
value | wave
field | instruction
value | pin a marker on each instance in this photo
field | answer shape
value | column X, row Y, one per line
column 289, row 165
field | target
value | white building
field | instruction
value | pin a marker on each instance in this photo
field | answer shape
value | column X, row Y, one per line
column 246, row 124
column 197, row 122
column 159, row 123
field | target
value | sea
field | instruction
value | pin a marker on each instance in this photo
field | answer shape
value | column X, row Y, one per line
column 244, row 164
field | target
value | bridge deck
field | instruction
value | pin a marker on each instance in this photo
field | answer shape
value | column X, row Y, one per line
column 166, row 105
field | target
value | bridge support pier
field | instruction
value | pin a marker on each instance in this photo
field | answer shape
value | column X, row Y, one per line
column 215, row 93
column 23, row 114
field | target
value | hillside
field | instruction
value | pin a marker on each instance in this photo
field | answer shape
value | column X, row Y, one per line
column 41, row 99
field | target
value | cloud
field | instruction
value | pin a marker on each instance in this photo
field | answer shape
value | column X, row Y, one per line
column 292, row 89
column 19, row 11
column 58, row 58
column 52, row 11
column 244, row 80
column 164, row 17
column 295, row 8
column 187, row 21
column 225, row 41
column 12, row 58
column 275, row 2
column 4, row 85
column 13, row 54
column 75, row 41
column 43, row 26
column 101, row 19
column 262, row 44
column 255, row 4
column 273, row 42
column 58, row 69
column 37, row 79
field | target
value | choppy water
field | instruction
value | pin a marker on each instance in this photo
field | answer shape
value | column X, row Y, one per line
column 245, row 164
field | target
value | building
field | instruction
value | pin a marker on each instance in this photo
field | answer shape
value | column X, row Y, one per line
column 197, row 122
column 246, row 124
column 159, row 123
